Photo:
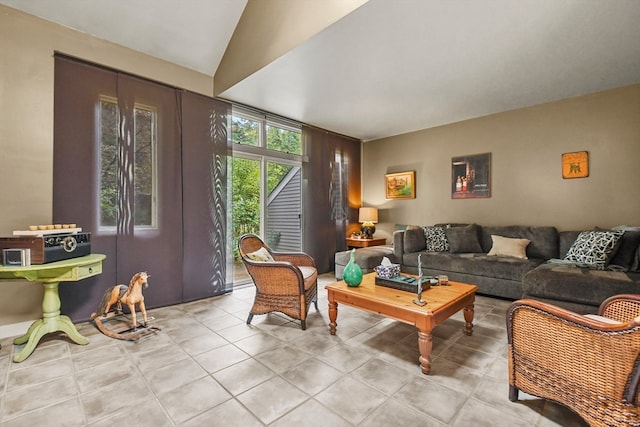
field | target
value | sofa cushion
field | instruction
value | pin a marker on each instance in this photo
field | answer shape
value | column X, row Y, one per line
column 544, row 239
column 414, row 240
column 474, row 264
column 463, row 239
column 594, row 248
column 588, row 286
column 505, row 246
column 436, row 239
column 366, row 258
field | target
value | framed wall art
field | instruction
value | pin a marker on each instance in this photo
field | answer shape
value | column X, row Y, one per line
column 471, row 176
column 575, row 165
column 401, row 185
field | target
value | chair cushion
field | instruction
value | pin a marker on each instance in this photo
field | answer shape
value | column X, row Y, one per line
column 310, row 275
column 602, row 319
column 261, row 254
column 505, row 246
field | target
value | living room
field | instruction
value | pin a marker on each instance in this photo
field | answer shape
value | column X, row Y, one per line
column 526, row 145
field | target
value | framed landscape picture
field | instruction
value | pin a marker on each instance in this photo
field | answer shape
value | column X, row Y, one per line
column 471, row 176
column 401, row 185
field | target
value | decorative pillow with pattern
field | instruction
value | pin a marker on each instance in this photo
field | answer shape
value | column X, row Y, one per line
column 261, row 255
column 436, row 239
column 594, row 248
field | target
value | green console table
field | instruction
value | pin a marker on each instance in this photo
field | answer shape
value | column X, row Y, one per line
column 50, row 275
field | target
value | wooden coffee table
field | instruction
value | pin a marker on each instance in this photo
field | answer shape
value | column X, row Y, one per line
column 442, row 303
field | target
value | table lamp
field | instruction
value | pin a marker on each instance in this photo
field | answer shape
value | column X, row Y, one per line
column 368, row 217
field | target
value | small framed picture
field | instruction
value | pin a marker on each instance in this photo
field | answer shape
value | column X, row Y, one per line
column 401, row 185
column 471, row 176
column 575, row 165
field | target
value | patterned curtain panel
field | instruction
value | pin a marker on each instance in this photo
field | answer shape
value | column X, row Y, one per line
column 142, row 167
column 205, row 146
column 332, row 193
column 116, row 174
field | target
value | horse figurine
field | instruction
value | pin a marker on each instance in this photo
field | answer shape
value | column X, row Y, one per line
column 130, row 295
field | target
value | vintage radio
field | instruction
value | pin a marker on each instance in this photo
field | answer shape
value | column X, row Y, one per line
column 50, row 247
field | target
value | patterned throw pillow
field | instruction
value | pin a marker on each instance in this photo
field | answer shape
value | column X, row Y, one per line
column 261, row 255
column 436, row 239
column 594, row 248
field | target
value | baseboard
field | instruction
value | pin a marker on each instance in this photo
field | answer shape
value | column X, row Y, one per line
column 15, row 329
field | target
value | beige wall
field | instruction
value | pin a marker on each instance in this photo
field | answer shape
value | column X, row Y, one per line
column 527, row 185
column 27, row 45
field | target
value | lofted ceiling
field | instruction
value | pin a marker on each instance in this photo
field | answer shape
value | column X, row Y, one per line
column 390, row 66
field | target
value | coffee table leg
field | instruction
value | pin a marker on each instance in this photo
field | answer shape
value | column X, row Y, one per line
column 468, row 319
column 425, row 344
column 333, row 315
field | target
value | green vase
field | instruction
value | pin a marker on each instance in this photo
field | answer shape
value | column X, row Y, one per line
column 352, row 274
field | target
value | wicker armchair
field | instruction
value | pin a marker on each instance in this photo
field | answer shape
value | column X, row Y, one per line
column 584, row 363
column 287, row 284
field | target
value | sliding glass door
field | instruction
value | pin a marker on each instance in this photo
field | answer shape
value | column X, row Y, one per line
column 266, row 175
column 283, row 222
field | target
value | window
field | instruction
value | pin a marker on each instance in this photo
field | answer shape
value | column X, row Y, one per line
column 245, row 131
column 144, row 167
column 112, row 165
column 252, row 129
column 108, row 163
column 284, row 139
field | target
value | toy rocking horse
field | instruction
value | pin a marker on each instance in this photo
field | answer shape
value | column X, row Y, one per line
column 130, row 296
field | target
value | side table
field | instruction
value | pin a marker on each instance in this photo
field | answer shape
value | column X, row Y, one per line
column 50, row 275
column 365, row 243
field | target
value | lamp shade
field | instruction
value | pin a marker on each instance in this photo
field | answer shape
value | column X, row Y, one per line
column 368, row 215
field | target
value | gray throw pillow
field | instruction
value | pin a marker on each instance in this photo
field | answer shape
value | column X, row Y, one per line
column 594, row 248
column 626, row 251
column 436, row 239
column 463, row 239
column 635, row 263
column 414, row 240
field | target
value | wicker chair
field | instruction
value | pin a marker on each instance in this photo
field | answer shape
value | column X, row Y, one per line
column 588, row 364
column 287, row 284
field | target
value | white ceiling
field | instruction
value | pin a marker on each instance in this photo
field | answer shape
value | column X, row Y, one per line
column 391, row 66
column 191, row 33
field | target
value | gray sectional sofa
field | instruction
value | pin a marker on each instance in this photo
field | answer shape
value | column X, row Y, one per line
column 463, row 252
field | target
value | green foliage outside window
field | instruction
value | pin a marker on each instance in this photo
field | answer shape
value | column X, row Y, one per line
column 143, row 173
column 108, row 163
column 246, row 173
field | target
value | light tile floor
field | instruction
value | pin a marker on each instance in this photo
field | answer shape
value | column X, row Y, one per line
column 207, row 367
